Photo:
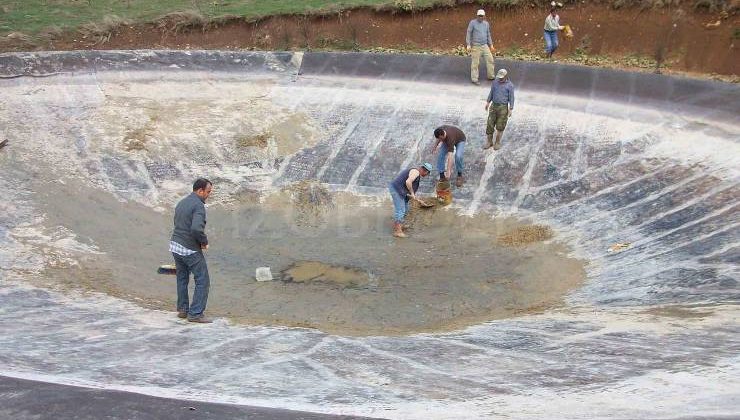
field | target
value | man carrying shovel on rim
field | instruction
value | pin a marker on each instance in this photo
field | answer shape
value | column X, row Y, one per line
column 403, row 189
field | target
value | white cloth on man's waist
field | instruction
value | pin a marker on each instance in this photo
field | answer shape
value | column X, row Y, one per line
column 180, row 250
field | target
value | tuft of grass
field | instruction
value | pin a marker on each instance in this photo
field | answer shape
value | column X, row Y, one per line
column 285, row 40
column 51, row 32
column 404, row 5
column 18, row 40
column 337, row 44
column 584, row 45
column 185, row 21
column 714, row 5
column 304, row 28
column 101, row 31
column 502, row 4
column 514, row 50
column 20, row 36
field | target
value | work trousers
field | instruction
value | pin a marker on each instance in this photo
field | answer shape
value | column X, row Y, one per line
column 475, row 52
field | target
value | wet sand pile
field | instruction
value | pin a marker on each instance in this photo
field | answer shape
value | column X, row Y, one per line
column 419, row 216
column 342, row 272
column 310, row 202
column 285, row 136
column 525, row 235
column 136, row 139
column 257, row 140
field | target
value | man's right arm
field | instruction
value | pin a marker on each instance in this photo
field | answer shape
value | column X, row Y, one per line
column 490, row 96
column 413, row 174
column 511, row 98
column 198, row 226
column 436, row 145
column 510, row 92
column 469, row 34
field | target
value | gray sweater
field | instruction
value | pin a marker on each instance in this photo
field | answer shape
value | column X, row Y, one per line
column 190, row 223
column 479, row 33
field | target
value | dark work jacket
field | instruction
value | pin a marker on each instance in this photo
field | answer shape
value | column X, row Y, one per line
column 190, row 223
column 454, row 136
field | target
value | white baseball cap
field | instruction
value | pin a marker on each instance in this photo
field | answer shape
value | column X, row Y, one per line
column 481, row 12
column 501, row 74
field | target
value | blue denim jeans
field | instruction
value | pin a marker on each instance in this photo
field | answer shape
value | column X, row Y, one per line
column 196, row 264
column 551, row 41
column 400, row 205
column 442, row 157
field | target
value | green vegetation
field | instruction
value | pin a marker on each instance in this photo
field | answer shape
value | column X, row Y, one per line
column 504, row 4
column 38, row 16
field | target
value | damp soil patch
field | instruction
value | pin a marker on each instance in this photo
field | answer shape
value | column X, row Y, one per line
column 312, row 272
column 525, row 235
column 336, row 266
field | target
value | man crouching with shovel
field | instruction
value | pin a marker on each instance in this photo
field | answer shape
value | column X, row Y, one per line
column 403, row 189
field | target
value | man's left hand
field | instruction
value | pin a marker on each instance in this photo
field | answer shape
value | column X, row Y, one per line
column 509, row 116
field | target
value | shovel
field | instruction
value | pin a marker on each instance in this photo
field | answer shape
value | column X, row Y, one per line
column 424, row 204
column 167, row 269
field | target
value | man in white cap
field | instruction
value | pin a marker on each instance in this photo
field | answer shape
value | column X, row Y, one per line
column 500, row 104
column 478, row 40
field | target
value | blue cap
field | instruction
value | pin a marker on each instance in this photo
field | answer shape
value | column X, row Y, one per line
column 427, row 166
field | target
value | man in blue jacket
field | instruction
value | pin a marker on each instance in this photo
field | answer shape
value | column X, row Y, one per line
column 500, row 104
column 187, row 244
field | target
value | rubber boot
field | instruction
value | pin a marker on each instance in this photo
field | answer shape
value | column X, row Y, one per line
column 398, row 230
column 498, row 144
column 459, row 181
column 489, row 142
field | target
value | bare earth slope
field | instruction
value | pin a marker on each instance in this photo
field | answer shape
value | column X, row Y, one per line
column 684, row 39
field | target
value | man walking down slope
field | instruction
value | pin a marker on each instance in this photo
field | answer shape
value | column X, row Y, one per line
column 500, row 104
column 187, row 244
column 479, row 42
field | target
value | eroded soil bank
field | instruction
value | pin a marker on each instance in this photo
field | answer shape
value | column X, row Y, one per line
column 684, row 39
column 336, row 266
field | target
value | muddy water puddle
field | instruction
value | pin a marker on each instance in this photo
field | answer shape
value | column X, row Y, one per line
column 330, row 275
column 336, row 266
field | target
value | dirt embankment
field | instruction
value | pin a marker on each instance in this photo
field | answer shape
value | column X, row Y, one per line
column 682, row 39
